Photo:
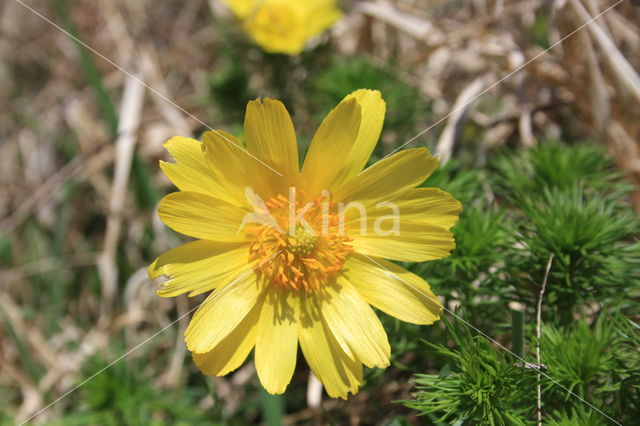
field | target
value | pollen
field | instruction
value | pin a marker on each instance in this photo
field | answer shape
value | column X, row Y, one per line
column 304, row 247
column 302, row 242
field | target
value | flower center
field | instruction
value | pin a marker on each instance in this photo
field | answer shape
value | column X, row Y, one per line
column 302, row 242
column 274, row 21
column 299, row 244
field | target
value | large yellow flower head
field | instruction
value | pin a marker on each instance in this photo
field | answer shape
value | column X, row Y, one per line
column 298, row 256
column 284, row 26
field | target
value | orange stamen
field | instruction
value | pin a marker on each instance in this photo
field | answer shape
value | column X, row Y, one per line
column 306, row 257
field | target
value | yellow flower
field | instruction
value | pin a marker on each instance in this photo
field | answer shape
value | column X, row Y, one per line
column 283, row 26
column 297, row 256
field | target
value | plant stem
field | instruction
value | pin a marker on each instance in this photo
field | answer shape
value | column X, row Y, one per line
column 272, row 408
column 538, row 324
column 517, row 327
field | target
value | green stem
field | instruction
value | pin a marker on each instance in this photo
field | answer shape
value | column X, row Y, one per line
column 272, row 408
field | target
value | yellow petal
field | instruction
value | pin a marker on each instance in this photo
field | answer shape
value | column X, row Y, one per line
column 413, row 226
column 373, row 109
column 354, row 324
column 191, row 171
column 231, row 352
column 241, row 8
column 393, row 289
column 320, row 17
column 389, row 177
column 339, row 374
column 426, row 205
column 201, row 216
column 232, row 165
column 416, row 242
column 198, row 266
column 222, row 311
column 429, row 206
column 283, row 26
column 330, row 146
column 271, row 138
column 278, row 26
column 277, row 340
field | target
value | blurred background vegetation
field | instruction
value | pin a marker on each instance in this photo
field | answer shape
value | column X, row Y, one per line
column 546, row 163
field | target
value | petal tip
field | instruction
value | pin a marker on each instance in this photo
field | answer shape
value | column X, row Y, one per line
column 152, row 271
column 278, row 390
column 371, row 92
column 162, row 293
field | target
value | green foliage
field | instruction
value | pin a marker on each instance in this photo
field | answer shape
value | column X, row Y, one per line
column 560, row 200
column 468, row 185
column 627, row 369
column 541, row 30
column 406, row 341
column 579, row 358
column 468, row 274
column 404, row 102
column 5, row 419
column 587, row 234
column 482, row 236
column 525, row 173
column 124, row 395
column 567, row 202
column 32, row 368
column 479, row 384
column 482, row 384
column 480, row 232
column 229, row 90
column 599, row 363
column 6, row 253
column 578, row 416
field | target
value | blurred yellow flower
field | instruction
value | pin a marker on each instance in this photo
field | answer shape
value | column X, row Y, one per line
column 298, row 256
column 284, row 26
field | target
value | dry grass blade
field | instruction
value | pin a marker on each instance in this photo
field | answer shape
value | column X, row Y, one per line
column 130, row 113
column 412, row 25
column 598, row 90
column 461, row 108
column 621, row 68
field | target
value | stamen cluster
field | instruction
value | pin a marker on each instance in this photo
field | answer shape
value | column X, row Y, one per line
column 309, row 246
